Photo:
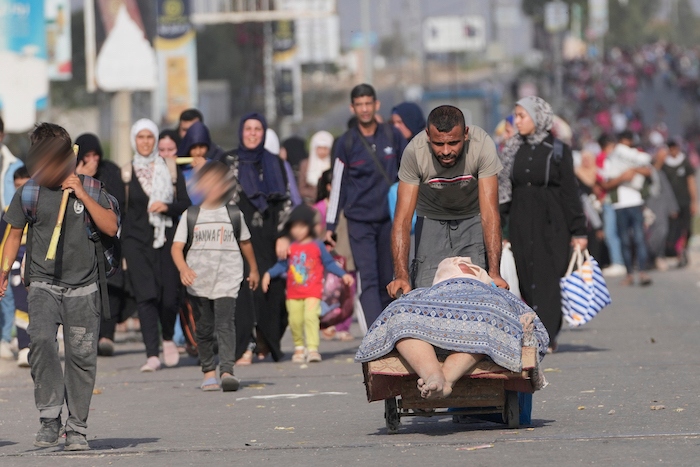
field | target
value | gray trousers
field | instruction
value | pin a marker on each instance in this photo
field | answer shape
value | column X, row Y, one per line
column 215, row 321
column 437, row 240
column 79, row 312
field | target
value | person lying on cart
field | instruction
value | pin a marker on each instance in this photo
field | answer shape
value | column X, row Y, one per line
column 464, row 316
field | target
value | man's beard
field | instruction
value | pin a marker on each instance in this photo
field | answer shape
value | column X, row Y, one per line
column 454, row 159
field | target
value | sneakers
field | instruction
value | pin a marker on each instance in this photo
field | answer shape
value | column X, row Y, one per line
column 152, row 364
column 314, row 356
column 105, row 347
column 171, row 355
column 299, row 355
column 615, row 270
column 48, row 433
column 76, row 442
column 6, row 351
column 23, row 358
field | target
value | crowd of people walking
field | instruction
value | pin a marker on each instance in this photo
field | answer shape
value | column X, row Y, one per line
column 223, row 250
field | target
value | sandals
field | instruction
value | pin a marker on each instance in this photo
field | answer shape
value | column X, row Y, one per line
column 210, row 385
column 246, row 359
column 328, row 334
column 299, row 355
column 344, row 336
column 230, row 383
column 314, row 357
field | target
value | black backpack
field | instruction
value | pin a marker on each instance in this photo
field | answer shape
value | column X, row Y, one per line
column 187, row 319
column 107, row 249
column 192, row 213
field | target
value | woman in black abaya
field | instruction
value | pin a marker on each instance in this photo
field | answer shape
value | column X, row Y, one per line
column 546, row 216
column 263, row 197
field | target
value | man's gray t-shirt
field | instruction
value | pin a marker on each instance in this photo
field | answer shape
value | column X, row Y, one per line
column 215, row 255
column 76, row 260
column 449, row 193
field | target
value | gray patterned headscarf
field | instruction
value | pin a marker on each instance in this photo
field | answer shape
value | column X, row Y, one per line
column 543, row 116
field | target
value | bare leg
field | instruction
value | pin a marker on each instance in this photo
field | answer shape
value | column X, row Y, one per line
column 421, row 356
column 455, row 366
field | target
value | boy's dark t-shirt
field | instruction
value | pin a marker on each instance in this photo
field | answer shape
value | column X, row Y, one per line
column 76, row 262
column 678, row 176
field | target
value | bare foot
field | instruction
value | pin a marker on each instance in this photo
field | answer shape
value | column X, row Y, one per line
column 434, row 387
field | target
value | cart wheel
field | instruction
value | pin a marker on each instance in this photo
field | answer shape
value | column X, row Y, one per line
column 511, row 412
column 391, row 415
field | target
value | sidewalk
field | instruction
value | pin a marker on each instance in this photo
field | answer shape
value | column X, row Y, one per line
column 639, row 354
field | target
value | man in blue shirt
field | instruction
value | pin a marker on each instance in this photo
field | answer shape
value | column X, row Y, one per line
column 366, row 164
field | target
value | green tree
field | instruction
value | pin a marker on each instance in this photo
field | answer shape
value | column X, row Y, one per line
column 630, row 22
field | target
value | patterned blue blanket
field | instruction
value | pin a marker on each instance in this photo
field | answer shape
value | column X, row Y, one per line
column 457, row 315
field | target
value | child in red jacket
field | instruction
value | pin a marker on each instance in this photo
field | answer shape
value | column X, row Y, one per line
column 305, row 266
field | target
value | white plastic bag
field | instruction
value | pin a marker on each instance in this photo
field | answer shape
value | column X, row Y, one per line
column 508, row 271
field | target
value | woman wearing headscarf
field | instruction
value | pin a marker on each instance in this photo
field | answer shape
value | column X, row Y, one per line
column 408, row 118
column 312, row 168
column 156, row 197
column 263, row 197
column 195, row 144
column 546, row 216
column 91, row 162
column 168, row 141
column 293, row 151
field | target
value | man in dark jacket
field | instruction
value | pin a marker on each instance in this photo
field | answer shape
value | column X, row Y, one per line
column 366, row 164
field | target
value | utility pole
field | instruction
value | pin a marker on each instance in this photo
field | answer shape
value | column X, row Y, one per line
column 366, row 31
column 269, row 71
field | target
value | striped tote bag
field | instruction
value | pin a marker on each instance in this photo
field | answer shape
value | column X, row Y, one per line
column 583, row 290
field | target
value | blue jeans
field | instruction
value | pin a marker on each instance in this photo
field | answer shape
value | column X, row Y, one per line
column 632, row 219
column 7, row 315
column 612, row 239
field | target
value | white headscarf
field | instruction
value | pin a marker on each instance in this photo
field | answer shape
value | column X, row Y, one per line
column 449, row 268
column 153, row 175
column 317, row 166
column 272, row 142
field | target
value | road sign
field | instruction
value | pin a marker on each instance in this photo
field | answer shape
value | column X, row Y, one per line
column 556, row 16
column 454, row 34
column 597, row 18
column 24, row 80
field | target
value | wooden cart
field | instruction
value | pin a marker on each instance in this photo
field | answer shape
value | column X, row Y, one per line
column 487, row 389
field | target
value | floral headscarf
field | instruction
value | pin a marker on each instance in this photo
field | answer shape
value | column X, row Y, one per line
column 542, row 115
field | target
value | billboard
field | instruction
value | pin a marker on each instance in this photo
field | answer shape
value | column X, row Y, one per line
column 318, row 39
column 58, row 39
column 24, row 81
column 119, row 45
column 443, row 34
column 176, row 50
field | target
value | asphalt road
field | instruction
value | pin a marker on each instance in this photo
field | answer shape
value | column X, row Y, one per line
column 641, row 352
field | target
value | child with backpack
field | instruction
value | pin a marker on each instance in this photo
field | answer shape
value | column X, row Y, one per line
column 304, row 266
column 64, row 280
column 19, row 291
column 207, row 251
